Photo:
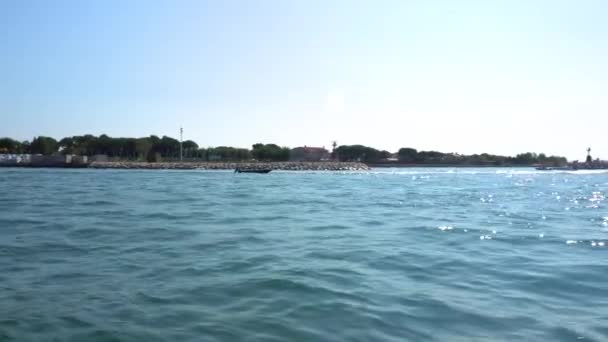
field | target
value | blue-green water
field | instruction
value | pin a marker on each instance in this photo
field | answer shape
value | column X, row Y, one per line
column 386, row 255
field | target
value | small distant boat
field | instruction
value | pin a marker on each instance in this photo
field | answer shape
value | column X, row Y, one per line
column 556, row 168
column 239, row 170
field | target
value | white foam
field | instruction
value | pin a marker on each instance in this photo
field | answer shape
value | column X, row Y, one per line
column 570, row 242
column 444, row 228
column 541, row 235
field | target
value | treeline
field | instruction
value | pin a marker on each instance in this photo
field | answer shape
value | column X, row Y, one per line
column 153, row 148
column 412, row 156
column 150, row 148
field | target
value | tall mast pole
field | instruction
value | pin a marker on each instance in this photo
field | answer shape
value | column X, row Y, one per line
column 181, row 139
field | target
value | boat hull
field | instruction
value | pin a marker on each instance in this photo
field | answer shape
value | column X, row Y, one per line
column 252, row 171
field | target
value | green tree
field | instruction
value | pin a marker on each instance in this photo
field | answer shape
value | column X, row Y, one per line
column 225, row 153
column 407, row 155
column 44, row 145
column 358, row 153
column 66, row 145
column 270, row 152
column 167, row 147
column 142, row 147
column 25, row 147
column 527, row 158
column 8, row 145
column 430, row 157
column 189, row 148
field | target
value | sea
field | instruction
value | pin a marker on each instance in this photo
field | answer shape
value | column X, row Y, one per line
column 395, row 254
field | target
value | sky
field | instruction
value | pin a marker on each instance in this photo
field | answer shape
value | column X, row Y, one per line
column 500, row 77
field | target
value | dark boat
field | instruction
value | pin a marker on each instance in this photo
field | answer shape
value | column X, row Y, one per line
column 238, row 170
column 556, row 168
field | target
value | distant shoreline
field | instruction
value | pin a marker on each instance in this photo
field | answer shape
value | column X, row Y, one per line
column 381, row 165
column 288, row 166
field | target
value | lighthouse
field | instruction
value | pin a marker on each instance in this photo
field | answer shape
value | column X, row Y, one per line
column 334, row 154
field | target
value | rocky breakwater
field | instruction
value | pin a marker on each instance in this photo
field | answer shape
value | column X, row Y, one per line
column 289, row 166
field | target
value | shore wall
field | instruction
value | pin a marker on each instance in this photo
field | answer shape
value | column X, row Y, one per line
column 291, row 166
column 386, row 165
column 59, row 161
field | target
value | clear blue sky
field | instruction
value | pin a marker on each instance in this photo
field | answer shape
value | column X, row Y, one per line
column 456, row 76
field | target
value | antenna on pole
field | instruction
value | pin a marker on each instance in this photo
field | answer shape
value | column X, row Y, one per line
column 181, row 139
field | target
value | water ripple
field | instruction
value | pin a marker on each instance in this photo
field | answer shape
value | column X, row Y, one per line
column 386, row 255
